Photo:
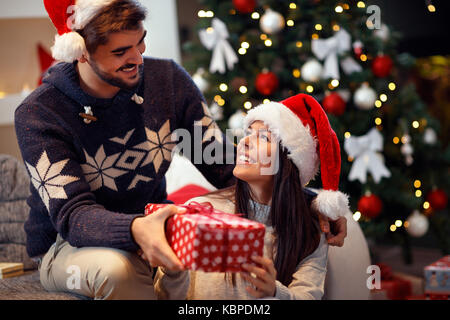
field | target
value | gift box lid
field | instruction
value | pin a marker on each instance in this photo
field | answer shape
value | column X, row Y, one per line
column 440, row 265
column 220, row 220
column 205, row 214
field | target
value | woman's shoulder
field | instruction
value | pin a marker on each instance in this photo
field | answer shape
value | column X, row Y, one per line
column 220, row 200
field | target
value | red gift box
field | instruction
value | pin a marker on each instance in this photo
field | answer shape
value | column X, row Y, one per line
column 393, row 287
column 396, row 288
column 210, row 240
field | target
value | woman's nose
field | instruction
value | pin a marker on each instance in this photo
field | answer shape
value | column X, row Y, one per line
column 250, row 142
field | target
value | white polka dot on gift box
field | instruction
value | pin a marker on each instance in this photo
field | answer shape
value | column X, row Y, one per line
column 195, row 239
column 244, row 241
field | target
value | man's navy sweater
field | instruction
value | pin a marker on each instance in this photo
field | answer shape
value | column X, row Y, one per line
column 89, row 181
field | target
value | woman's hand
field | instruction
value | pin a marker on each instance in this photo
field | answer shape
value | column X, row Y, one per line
column 265, row 277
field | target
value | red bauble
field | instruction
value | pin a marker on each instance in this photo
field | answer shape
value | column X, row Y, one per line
column 382, row 66
column 370, row 206
column 266, row 83
column 334, row 104
column 358, row 52
column 438, row 199
column 245, row 6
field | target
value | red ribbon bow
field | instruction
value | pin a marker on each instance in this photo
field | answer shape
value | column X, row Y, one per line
column 202, row 208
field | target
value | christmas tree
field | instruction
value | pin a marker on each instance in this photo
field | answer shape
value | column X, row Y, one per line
column 394, row 168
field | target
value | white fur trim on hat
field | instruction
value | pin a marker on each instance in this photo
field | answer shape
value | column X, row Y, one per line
column 294, row 136
column 68, row 47
column 85, row 10
column 333, row 204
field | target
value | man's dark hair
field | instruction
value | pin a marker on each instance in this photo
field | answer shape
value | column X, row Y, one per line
column 118, row 16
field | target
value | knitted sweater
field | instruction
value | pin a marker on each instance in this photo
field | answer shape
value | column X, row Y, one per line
column 308, row 279
column 89, row 181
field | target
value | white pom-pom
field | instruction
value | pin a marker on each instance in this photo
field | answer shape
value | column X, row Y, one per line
column 85, row 10
column 68, row 47
column 333, row 204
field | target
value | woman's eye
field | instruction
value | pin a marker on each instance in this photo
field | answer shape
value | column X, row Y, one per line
column 263, row 136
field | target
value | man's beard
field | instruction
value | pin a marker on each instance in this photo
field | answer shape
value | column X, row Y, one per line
column 113, row 81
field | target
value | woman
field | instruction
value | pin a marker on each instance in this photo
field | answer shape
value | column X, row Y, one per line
column 280, row 154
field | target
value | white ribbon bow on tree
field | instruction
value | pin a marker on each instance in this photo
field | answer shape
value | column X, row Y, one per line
column 329, row 49
column 367, row 157
column 215, row 38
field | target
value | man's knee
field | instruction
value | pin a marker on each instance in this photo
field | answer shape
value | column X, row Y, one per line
column 100, row 273
column 113, row 276
column 123, row 277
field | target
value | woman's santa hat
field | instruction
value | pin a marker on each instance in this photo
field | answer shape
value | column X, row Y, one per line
column 304, row 130
column 68, row 16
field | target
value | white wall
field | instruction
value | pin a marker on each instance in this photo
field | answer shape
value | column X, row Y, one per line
column 22, row 9
column 162, row 27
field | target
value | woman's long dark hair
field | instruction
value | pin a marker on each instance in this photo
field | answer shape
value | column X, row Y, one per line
column 295, row 224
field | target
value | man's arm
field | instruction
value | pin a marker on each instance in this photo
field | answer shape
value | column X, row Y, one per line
column 59, row 188
column 209, row 149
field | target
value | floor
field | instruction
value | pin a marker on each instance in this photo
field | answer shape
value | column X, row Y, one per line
column 393, row 256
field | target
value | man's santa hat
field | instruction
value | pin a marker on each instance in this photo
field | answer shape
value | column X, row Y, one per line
column 68, row 16
column 304, row 130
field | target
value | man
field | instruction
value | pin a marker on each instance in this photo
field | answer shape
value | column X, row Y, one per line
column 96, row 138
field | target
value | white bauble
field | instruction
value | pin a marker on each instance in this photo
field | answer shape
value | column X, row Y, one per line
column 199, row 81
column 311, row 71
column 383, row 33
column 365, row 97
column 357, row 45
column 407, row 149
column 236, row 125
column 236, row 121
column 417, row 224
column 216, row 112
column 429, row 136
column 271, row 22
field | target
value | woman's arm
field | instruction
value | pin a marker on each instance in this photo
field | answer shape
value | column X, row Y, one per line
column 309, row 279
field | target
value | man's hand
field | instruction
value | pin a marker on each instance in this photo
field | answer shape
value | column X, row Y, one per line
column 149, row 234
column 335, row 231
